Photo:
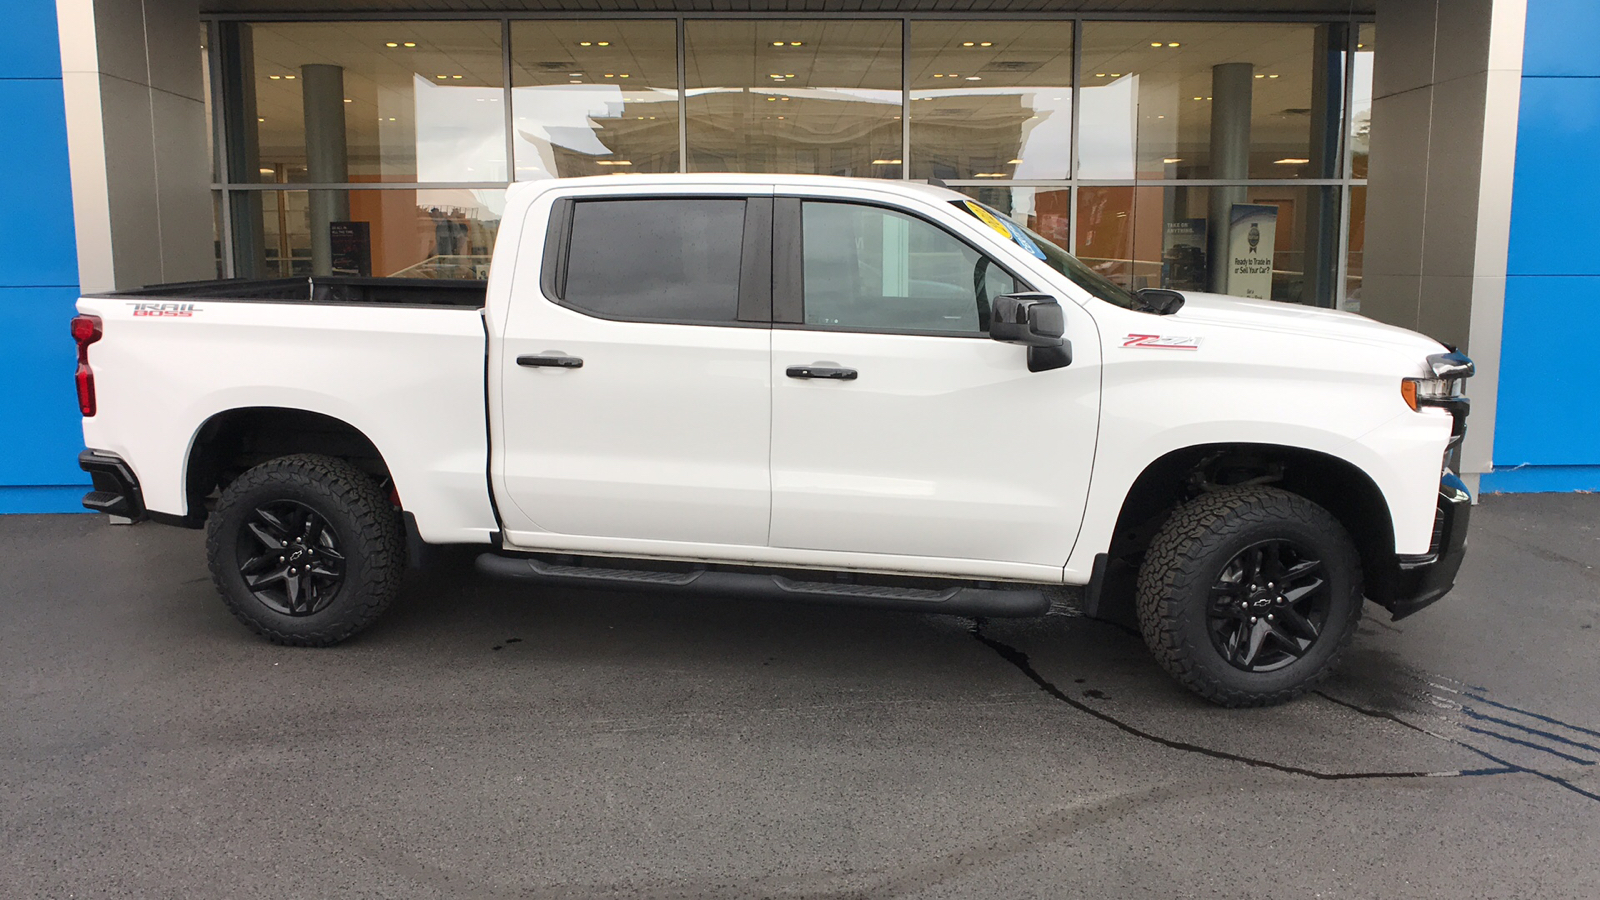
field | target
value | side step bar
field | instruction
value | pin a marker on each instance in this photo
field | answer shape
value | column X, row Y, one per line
column 1018, row 602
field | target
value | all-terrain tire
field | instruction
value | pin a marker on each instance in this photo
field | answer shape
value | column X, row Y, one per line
column 1187, row 558
column 358, row 517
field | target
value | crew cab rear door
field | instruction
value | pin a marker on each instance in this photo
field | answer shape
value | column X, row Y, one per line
column 899, row 427
column 635, row 396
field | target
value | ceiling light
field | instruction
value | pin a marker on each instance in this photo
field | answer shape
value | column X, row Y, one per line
column 938, row 76
column 771, row 99
column 988, row 174
column 790, row 75
column 777, row 43
column 290, row 77
column 391, row 118
column 1261, row 76
column 274, row 77
column 610, row 75
column 987, row 44
column 784, row 99
column 605, row 43
column 951, row 75
column 1292, row 161
column 260, row 119
column 267, row 171
column 1173, row 44
column 1155, row 43
column 624, row 74
column 614, row 162
column 1012, row 162
column 347, row 100
column 968, row 44
column 1272, row 76
column 876, row 162
column 1199, row 98
column 583, row 43
column 455, row 76
column 1099, row 74
column 411, row 43
column 794, row 43
column 1173, row 159
column 441, row 77
column 391, row 44
column 780, row 117
column 1361, row 46
column 974, row 77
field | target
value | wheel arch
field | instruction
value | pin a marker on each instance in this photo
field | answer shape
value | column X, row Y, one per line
column 232, row 441
column 1345, row 490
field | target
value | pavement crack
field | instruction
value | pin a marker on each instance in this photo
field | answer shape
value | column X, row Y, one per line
column 1020, row 660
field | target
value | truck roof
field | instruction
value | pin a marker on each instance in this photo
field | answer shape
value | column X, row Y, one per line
column 622, row 183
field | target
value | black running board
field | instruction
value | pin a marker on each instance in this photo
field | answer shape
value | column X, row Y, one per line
column 1019, row 602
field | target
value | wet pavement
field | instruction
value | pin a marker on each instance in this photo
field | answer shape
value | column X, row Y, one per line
column 486, row 740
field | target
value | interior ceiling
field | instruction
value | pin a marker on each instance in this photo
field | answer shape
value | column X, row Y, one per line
column 1257, row 7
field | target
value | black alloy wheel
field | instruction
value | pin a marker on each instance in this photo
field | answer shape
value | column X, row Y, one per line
column 1269, row 606
column 290, row 558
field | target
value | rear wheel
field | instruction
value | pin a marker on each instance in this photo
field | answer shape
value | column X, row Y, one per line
column 1247, row 595
column 305, row 550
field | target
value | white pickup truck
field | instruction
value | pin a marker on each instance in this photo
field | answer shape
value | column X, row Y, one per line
column 838, row 390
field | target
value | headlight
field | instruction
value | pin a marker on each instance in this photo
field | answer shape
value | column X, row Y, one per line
column 1446, row 387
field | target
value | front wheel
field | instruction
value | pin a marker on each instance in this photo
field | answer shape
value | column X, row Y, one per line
column 1247, row 595
column 305, row 550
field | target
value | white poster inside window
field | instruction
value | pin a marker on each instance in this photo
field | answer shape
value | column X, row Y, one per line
column 1251, row 234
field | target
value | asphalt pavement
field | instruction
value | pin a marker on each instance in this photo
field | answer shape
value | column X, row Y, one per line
column 486, row 740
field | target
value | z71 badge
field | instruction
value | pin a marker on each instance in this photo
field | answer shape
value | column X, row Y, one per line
column 164, row 309
column 1160, row 342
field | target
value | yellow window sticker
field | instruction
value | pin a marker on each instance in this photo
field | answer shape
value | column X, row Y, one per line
column 989, row 220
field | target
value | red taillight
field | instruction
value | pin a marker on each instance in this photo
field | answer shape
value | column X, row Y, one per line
column 85, row 330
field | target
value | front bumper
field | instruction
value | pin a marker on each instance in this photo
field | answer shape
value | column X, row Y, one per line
column 1426, row 578
column 116, row 488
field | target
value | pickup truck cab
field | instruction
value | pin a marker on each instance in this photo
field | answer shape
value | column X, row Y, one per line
column 837, row 390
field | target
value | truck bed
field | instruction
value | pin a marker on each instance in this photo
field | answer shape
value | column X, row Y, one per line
column 322, row 289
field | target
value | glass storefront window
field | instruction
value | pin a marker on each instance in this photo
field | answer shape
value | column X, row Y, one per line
column 442, row 233
column 1361, row 98
column 1355, row 249
column 991, row 100
column 391, row 101
column 594, row 98
column 806, row 95
column 1165, row 236
column 1210, row 100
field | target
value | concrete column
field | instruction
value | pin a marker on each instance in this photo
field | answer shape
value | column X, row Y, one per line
column 1231, row 88
column 136, row 139
column 327, row 162
column 1446, row 97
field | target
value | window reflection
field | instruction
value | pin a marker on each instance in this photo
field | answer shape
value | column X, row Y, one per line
column 1142, row 237
column 805, row 96
column 402, row 233
column 1361, row 98
column 1047, row 211
column 413, row 101
column 1210, row 100
column 991, row 100
column 593, row 98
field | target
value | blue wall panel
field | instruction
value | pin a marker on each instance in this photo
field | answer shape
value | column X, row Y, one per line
column 39, row 427
column 1547, row 427
column 1561, row 38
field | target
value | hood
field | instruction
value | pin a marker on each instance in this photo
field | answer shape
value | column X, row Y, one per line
column 1293, row 318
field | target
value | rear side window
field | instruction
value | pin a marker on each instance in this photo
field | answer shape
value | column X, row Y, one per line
column 659, row 260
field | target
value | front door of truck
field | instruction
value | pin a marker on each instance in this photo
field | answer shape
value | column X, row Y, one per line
column 634, row 396
column 899, row 427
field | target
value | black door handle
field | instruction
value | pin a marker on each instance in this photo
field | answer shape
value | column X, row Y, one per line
column 835, row 372
column 552, row 360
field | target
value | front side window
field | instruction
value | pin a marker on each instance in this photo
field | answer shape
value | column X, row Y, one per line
column 656, row 260
column 879, row 270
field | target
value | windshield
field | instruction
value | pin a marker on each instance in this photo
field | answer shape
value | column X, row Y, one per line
column 1053, row 256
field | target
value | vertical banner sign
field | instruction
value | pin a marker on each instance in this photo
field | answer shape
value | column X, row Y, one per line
column 1251, row 234
column 351, row 243
column 1183, row 255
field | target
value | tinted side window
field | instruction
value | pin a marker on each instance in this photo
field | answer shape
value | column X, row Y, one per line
column 877, row 269
column 656, row 260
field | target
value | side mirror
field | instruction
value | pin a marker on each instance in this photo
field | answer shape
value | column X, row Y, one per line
column 1035, row 321
column 1160, row 301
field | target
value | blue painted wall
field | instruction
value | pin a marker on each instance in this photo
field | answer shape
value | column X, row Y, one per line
column 39, row 425
column 1547, row 431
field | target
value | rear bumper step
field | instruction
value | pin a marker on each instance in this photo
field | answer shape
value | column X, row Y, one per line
column 116, row 488
column 1018, row 602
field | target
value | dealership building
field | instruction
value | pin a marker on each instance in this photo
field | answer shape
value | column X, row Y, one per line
column 1423, row 162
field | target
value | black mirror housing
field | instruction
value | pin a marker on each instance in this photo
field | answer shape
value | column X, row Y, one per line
column 1035, row 321
column 1029, row 319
